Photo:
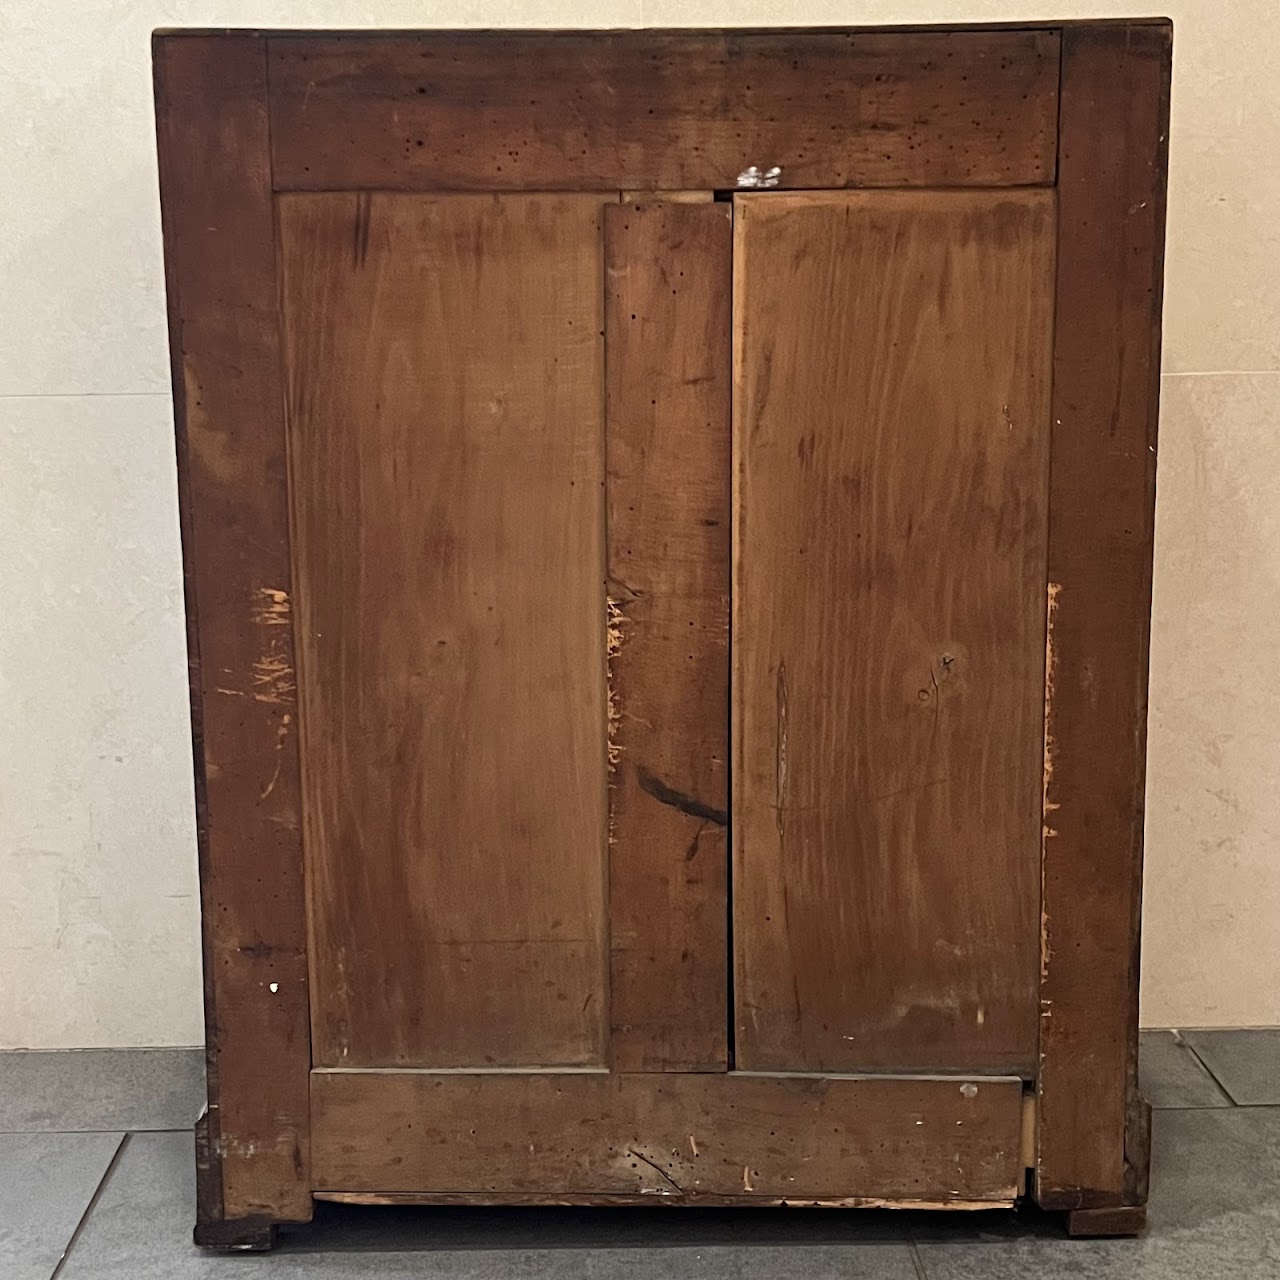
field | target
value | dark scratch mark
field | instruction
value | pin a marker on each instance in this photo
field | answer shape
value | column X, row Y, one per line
column 616, row 587
column 780, row 748
column 937, row 703
column 658, row 1169
column 360, row 245
column 678, row 800
column 692, row 851
column 762, row 388
column 259, row 950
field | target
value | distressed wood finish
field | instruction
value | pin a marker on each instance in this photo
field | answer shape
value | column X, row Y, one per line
column 445, row 387
column 891, row 440
column 680, row 1137
column 647, row 1200
column 648, row 110
column 667, row 327
column 220, row 273
column 1092, row 1141
column 467, row 354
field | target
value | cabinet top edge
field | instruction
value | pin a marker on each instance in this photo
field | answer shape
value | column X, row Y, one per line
column 380, row 33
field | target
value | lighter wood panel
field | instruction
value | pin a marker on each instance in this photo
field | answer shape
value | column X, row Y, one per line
column 667, row 334
column 891, row 443
column 676, row 1138
column 444, row 365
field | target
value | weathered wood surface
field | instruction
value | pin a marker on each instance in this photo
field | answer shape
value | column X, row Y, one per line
column 211, row 112
column 1092, row 1149
column 667, row 341
column 650, row 110
column 445, row 404
column 891, row 438
column 674, row 1136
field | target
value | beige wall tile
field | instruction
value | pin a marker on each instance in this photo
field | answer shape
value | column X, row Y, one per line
column 1212, row 905
column 82, row 307
column 98, row 915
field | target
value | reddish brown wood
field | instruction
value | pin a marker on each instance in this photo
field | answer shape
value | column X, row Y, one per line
column 220, row 268
column 679, row 1137
column 891, row 436
column 652, row 110
column 445, row 376
column 1115, row 104
column 667, row 323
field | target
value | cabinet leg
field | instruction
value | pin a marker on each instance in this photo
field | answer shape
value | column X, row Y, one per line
column 242, row 1235
column 1115, row 1220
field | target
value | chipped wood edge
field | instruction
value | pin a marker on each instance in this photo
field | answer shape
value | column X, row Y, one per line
column 687, row 1200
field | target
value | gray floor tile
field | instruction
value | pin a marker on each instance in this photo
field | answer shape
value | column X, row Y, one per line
column 84, row 1090
column 1215, row 1211
column 140, row 1229
column 1246, row 1063
column 46, row 1183
column 1170, row 1074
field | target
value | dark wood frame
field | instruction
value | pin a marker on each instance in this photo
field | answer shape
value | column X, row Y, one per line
column 229, row 137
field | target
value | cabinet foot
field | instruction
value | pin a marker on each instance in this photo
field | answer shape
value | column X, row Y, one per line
column 1116, row 1220
column 242, row 1235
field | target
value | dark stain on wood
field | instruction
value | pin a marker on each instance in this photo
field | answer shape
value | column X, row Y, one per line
column 664, row 794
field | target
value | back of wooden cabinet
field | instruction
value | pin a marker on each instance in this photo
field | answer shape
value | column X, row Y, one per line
column 667, row 526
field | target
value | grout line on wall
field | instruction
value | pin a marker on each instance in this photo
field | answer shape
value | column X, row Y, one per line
column 1219, row 373
column 81, row 395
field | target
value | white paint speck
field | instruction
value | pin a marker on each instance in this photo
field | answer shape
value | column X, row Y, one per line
column 275, row 986
column 755, row 177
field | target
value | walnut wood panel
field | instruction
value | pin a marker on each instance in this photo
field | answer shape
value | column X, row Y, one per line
column 220, row 271
column 677, row 1137
column 445, row 389
column 676, row 110
column 891, row 441
column 1092, row 1136
column 667, row 342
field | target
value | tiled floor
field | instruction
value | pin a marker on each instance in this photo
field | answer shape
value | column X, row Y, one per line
column 81, row 1199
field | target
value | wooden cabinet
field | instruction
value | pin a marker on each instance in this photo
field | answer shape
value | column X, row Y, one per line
column 667, row 521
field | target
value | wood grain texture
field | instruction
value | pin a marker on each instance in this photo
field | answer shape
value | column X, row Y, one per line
column 215, row 181
column 647, row 110
column 648, row 1200
column 681, row 1137
column 1092, row 1150
column 891, row 441
column 445, row 389
column 667, row 342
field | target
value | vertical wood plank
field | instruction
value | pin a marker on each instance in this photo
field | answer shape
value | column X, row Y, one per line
column 891, row 444
column 667, row 357
column 211, row 106
column 445, row 400
column 1112, row 170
